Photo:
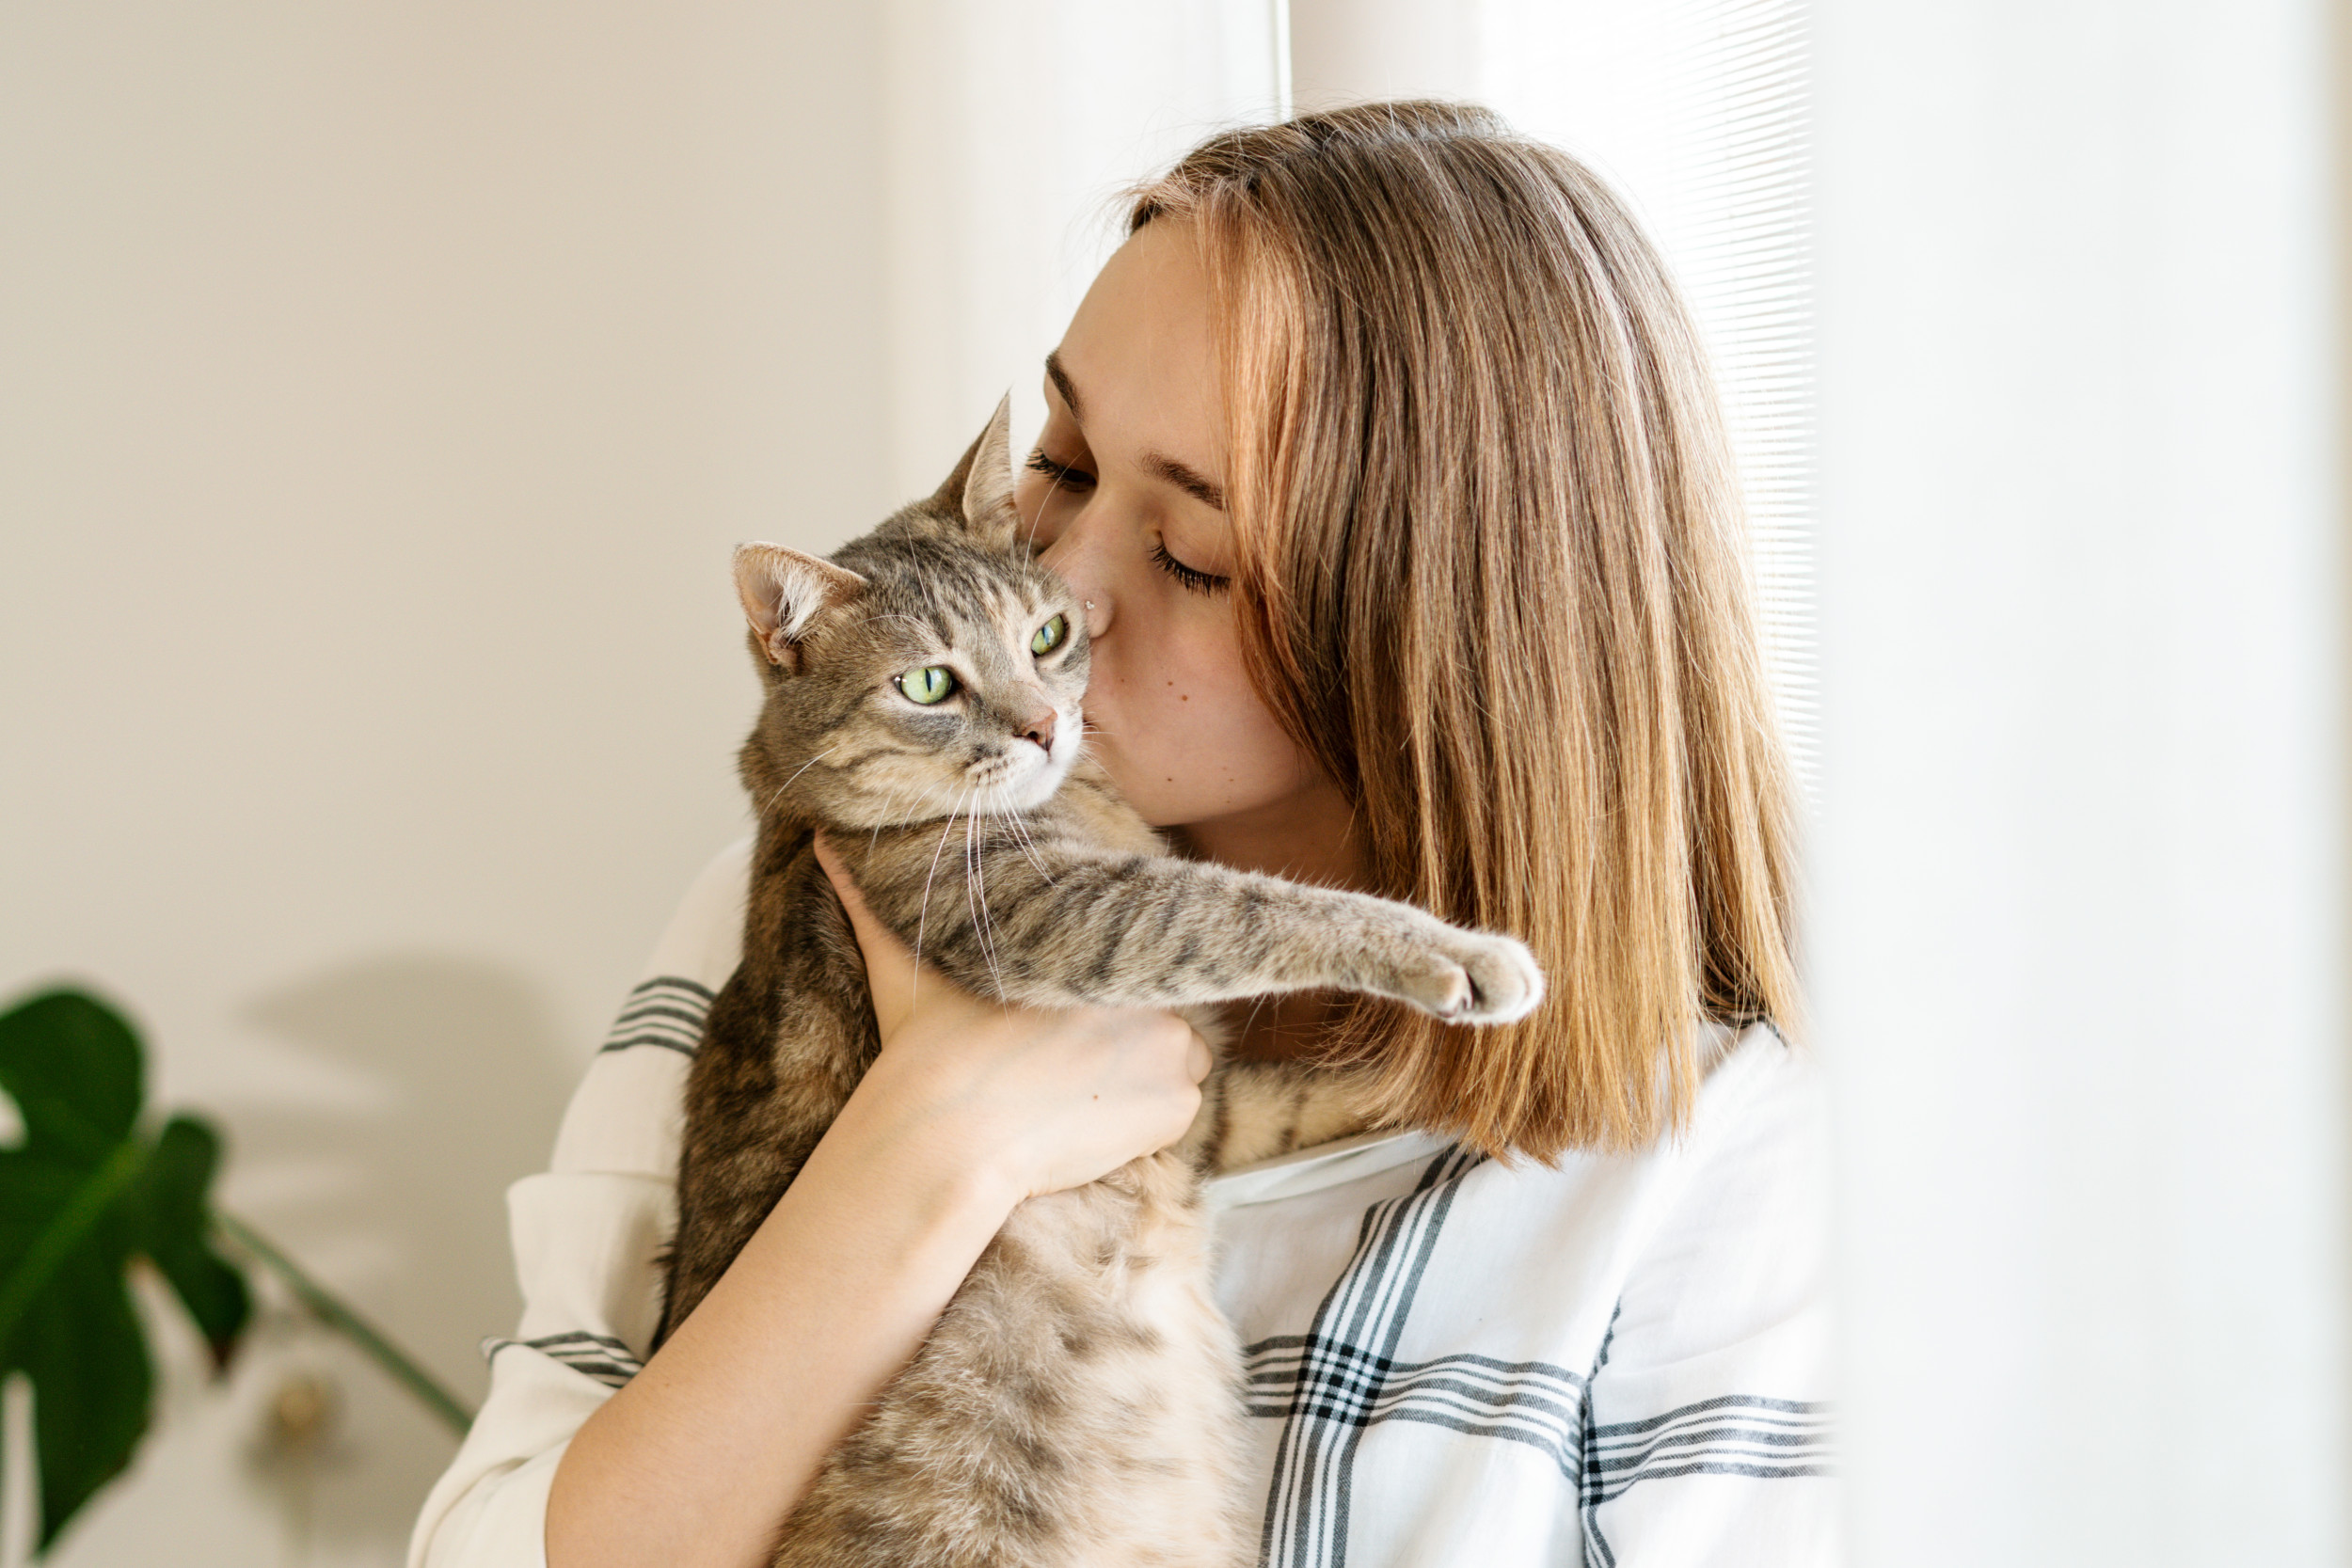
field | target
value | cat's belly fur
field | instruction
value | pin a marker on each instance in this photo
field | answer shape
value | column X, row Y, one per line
column 1076, row 1403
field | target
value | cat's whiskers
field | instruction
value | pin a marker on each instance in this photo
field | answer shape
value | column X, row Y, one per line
column 997, row 800
column 921, row 801
column 1027, row 847
column 1026, row 843
column 923, row 914
column 796, row 775
column 976, row 900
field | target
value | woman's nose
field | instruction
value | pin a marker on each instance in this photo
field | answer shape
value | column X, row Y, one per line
column 1076, row 562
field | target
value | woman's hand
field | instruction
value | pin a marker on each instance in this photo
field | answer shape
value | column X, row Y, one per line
column 1036, row 1100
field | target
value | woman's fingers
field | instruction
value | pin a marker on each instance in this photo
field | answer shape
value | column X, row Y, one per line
column 1048, row 1098
column 890, row 964
column 1199, row 1059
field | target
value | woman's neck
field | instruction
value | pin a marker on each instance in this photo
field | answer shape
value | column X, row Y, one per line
column 1308, row 837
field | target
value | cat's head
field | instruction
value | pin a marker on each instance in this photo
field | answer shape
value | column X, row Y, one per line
column 930, row 667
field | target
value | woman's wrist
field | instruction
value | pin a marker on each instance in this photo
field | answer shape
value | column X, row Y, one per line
column 901, row 1131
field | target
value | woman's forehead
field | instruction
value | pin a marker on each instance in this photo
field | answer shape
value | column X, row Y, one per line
column 1140, row 356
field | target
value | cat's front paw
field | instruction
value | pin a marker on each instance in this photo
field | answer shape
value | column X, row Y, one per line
column 1478, row 979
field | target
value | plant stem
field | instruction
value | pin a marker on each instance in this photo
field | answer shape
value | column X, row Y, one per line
column 329, row 1310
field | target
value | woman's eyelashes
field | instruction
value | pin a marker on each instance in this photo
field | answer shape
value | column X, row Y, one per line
column 1069, row 476
column 1191, row 577
column 1066, row 476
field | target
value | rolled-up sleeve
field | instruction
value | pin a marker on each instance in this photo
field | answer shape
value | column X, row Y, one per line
column 587, row 1238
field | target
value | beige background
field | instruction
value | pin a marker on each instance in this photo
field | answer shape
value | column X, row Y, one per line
column 384, row 387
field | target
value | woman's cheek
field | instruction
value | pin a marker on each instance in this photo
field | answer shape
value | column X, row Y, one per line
column 1192, row 740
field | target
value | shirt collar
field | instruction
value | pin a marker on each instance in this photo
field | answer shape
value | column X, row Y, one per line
column 1325, row 1165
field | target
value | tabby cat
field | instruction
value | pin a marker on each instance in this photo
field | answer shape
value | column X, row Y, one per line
column 1078, row 1402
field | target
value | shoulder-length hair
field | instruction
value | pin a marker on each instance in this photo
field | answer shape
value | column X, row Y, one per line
column 1493, row 576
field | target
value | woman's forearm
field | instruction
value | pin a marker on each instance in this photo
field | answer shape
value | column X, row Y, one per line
column 970, row 1107
column 697, row 1459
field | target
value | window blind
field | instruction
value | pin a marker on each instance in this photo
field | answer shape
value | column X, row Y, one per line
column 1697, row 111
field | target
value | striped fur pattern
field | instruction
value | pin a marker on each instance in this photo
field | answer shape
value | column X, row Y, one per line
column 1079, row 1401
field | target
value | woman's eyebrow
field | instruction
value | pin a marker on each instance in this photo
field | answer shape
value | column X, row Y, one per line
column 1182, row 476
column 1204, row 490
column 1060, row 378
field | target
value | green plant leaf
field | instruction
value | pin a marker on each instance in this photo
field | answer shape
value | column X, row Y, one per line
column 91, row 1385
column 175, row 1233
column 84, row 1192
column 73, row 1066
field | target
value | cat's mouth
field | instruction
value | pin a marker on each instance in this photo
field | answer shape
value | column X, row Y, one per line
column 1025, row 776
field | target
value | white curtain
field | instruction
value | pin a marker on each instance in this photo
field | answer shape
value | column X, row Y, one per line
column 1013, row 126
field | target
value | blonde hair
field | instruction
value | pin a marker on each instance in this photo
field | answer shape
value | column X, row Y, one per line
column 1493, row 577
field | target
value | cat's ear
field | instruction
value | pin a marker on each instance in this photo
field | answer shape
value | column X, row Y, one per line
column 980, row 493
column 782, row 591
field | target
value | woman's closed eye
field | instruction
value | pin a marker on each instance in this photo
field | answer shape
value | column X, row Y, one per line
column 1066, row 476
column 1192, row 577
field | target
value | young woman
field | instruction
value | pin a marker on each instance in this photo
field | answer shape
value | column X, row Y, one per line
column 1386, row 462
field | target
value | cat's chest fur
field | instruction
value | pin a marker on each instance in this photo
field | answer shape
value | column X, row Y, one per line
column 1077, row 1402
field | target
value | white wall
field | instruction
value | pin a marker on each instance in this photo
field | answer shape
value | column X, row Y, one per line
column 1014, row 125
column 384, row 386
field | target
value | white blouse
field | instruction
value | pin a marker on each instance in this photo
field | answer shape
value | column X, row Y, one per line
column 1622, row 1360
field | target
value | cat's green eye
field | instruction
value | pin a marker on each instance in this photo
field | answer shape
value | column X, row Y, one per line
column 1049, row 636
column 931, row 684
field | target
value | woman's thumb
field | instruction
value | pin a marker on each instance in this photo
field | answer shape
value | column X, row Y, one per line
column 889, row 962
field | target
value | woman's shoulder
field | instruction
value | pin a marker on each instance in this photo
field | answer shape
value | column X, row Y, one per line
column 704, row 940
column 1723, row 1298
column 1732, row 1209
column 625, row 1116
column 1706, row 1231
column 1764, row 1104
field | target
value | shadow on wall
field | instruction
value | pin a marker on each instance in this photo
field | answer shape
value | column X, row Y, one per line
column 399, row 1201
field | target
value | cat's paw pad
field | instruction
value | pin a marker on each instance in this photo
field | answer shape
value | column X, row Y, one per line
column 1479, row 979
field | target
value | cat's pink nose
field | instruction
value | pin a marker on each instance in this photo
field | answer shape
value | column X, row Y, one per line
column 1041, row 729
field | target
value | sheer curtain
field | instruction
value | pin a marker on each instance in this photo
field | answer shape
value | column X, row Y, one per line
column 2077, row 933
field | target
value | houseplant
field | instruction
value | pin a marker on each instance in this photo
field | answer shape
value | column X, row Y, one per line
column 89, row 1189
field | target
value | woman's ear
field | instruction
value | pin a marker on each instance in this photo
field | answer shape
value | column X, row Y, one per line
column 978, row 495
column 782, row 591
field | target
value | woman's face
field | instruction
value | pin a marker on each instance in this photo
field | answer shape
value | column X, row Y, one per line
column 1126, row 491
